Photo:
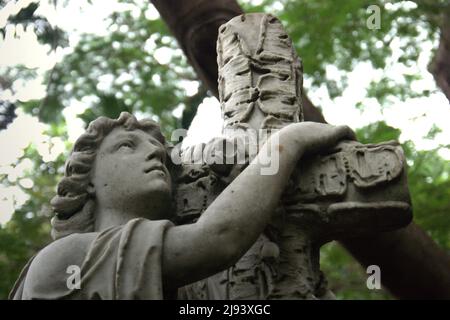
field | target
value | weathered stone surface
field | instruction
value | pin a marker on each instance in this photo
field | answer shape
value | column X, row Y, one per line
column 259, row 71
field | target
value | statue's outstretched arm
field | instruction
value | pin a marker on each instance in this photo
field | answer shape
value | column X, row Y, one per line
column 231, row 224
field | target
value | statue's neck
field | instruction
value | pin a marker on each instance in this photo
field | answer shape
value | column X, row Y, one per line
column 113, row 215
column 107, row 218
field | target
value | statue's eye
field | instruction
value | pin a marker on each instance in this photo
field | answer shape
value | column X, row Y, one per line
column 125, row 145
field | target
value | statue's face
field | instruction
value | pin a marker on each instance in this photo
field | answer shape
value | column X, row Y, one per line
column 130, row 172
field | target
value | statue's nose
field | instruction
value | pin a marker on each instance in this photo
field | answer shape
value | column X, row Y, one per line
column 154, row 152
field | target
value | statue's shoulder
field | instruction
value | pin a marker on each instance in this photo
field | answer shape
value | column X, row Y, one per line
column 48, row 272
column 69, row 249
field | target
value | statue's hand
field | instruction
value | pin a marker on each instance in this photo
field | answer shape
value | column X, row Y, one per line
column 313, row 137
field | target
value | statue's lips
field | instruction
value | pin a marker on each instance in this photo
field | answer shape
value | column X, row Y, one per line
column 153, row 168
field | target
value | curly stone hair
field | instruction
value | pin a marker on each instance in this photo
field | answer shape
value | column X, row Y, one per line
column 74, row 205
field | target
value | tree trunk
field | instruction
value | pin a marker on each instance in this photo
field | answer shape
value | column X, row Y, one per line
column 412, row 265
column 440, row 65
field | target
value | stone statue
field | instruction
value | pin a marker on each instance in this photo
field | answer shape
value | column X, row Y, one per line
column 349, row 190
column 114, row 203
column 214, row 224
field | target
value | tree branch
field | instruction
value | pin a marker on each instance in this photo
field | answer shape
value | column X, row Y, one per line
column 412, row 265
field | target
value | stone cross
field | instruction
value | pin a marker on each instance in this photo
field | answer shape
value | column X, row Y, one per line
column 352, row 190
